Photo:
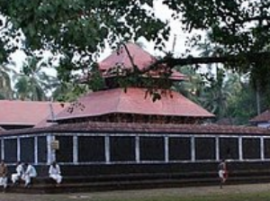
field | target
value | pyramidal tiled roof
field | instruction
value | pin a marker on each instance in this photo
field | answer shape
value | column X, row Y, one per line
column 140, row 58
column 263, row 117
column 133, row 101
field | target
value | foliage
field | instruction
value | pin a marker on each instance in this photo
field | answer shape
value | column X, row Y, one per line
column 6, row 91
column 68, row 92
column 77, row 29
column 228, row 95
column 33, row 83
column 238, row 26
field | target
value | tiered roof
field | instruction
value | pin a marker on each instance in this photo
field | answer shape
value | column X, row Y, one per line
column 131, row 54
column 133, row 101
column 118, row 103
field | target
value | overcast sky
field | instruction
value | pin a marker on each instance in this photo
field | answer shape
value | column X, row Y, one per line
column 161, row 12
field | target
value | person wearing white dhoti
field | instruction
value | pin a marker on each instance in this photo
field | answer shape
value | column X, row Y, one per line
column 15, row 177
column 29, row 173
column 55, row 172
column 3, row 174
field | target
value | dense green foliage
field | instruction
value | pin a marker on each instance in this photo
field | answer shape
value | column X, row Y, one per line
column 78, row 30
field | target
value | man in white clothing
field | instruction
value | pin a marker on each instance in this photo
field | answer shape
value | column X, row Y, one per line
column 3, row 174
column 15, row 177
column 55, row 172
column 29, row 173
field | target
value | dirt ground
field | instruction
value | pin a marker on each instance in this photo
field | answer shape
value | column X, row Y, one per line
column 137, row 194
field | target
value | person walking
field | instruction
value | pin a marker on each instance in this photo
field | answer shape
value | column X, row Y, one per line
column 222, row 172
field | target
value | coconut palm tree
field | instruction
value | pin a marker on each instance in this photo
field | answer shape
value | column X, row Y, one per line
column 6, row 71
column 33, row 83
column 68, row 92
column 216, row 94
column 194, row 85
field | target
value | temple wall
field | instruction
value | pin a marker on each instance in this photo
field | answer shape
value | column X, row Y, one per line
column 91, row 154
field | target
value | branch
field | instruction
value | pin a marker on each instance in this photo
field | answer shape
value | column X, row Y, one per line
column 171, row 62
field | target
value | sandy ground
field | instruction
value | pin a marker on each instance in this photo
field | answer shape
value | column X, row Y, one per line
column 137, row 194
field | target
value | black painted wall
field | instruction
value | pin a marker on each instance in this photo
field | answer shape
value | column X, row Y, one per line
column 65, row 151
column 152, row 149
column 10, row 150
column 27, row 149
column 179, row 148
column 228, row 148
column 122, row 149
column 251, row 147
column 91, row 149
column 42, row 149
column 205, row 149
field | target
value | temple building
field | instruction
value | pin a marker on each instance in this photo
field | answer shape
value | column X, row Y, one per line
column 17, row 114
column 262, row 120
column 135, row 103
column 137, row 132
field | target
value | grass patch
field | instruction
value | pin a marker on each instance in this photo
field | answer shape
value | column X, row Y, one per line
column 232, row 193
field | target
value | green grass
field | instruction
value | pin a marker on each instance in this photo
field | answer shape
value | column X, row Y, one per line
column 252, row 193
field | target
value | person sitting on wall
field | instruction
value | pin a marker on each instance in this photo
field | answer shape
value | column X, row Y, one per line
column 29, row 174
column 16, row 177
column 3, row 174
column 222, row 172
column 55, row 173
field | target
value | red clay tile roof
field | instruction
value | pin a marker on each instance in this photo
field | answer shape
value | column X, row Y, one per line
column 27, row 113
column 136, row 128
column 44, row 123
column 140, row 57
column 133, row 101
column 263, row 117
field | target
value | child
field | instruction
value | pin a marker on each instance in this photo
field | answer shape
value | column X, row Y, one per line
column 222, row 172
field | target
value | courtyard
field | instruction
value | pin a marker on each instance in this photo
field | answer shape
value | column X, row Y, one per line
column 247, row 192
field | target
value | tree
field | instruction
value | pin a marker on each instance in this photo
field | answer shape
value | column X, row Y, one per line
column 194, row 86
column 33, row 83
column 6, row 72
column 78, row 29
column 68, row 92
column 242, row 104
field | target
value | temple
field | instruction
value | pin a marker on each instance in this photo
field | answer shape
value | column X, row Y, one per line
column 141, row 134
column 135, row 103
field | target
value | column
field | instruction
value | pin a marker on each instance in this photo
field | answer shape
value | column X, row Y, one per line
column 137, row 149
column 3, row 149
column 75, row 149
column 18, row 149
column 50, row 152
column 36, row 150
column 193, row 154
column 240, row 147
column 166, row 148
column 262, row 147
column 217, row 148
column 107, row 149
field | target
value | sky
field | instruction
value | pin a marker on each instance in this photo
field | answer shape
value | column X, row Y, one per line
column 162, row 12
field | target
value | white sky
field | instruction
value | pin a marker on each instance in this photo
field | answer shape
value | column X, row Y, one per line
column 161, row 12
